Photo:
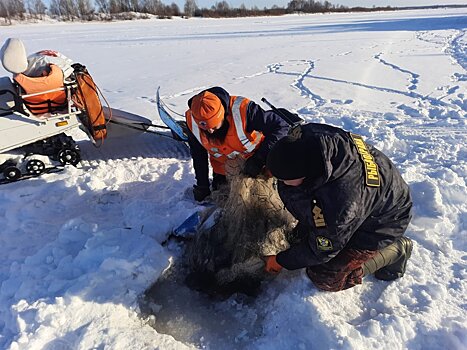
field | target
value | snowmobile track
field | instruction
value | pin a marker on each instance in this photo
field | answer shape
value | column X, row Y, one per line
column 50, row 170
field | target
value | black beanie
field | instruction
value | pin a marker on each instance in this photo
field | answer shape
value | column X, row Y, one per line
column 291, row 158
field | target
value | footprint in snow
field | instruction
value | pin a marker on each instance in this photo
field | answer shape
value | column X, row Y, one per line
column 342, row 102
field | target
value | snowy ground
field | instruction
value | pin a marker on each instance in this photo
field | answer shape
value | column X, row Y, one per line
column 79, row 247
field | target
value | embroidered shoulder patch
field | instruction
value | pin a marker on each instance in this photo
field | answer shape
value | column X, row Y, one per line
column 318, row 216
column 323, row 243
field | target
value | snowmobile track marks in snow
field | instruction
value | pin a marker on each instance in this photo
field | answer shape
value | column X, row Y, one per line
column 135, row 145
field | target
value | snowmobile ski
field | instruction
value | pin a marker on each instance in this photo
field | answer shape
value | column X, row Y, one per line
column 174, row 125
column 127, row 120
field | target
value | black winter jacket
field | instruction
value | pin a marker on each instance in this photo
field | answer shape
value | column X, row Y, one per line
column 339, row 209
column 269, row 123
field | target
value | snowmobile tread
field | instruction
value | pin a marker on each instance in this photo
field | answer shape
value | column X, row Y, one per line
column 49, row 170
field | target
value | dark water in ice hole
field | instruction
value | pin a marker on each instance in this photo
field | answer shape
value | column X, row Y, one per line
column 196, row 319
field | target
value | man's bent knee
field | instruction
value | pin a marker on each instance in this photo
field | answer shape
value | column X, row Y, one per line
column 333, row 281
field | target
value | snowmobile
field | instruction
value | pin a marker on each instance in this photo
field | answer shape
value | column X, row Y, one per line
column 48, row 96
column 33, row 144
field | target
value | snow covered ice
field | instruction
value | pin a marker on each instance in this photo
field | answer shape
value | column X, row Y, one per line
column 79, row 248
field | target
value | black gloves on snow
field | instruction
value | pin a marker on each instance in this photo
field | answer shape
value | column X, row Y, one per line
column 253, row 166
column 201, row 192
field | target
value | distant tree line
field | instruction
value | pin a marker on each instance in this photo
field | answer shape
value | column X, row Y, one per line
column 70, row 10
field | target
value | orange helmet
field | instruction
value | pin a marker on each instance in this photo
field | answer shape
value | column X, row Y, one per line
column 207, row 110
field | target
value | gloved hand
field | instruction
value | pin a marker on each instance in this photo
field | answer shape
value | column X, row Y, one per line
column 218, row 180
column 201, row 192
column 272, row 266
column 253, row 166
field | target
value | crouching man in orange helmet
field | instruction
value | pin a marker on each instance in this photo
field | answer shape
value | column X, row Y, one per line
column 223, row 127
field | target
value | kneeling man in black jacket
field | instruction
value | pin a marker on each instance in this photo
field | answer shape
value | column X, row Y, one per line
column 351, row 203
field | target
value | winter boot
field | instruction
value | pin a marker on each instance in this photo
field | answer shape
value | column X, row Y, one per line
column 390, row 263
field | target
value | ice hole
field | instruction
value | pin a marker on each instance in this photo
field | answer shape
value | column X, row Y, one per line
column 199, row 320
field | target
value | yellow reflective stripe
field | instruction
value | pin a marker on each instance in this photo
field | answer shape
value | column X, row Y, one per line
column 237, row 117
column 372, row 177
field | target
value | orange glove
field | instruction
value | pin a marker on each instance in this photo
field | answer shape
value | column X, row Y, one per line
column 271, row 264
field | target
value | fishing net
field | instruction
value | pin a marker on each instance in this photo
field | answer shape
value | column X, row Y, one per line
column 253, row 223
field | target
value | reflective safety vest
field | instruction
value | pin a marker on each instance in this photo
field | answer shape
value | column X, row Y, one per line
column 48, row 101
column 238, row 142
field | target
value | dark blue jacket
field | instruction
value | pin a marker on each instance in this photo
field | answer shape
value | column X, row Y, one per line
column 339, row 209
column 269, row 123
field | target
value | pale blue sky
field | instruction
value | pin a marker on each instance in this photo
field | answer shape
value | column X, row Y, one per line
column 349, row 3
